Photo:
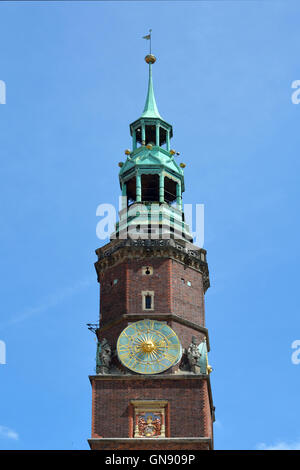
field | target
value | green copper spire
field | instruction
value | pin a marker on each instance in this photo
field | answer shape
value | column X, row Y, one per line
column 150, row 109
column 151, row 177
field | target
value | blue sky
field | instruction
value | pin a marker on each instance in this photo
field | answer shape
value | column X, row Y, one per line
column 75, row 79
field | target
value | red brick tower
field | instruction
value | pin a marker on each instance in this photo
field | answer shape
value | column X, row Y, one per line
column 152, row 387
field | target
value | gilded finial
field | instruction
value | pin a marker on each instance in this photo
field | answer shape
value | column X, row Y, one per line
column 150, row 59
column 150, row 109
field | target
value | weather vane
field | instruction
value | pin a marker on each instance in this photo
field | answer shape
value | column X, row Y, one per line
column 148, row 37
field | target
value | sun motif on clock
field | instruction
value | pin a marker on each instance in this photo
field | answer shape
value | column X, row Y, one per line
column 148, row 347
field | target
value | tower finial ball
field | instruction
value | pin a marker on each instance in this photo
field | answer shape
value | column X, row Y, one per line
column 150, row 59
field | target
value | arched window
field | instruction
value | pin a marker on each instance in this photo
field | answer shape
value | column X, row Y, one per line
column 148, row 300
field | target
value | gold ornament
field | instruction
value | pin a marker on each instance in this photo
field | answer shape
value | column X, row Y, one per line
column 150, row 59
column 148, row 346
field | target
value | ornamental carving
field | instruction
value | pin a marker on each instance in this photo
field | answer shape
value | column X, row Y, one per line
column 149, row 418
column 193, row 356
column 149, row 424
column 103, row 357
column 139, row 249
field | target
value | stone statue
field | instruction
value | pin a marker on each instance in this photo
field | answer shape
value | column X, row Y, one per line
column 103, row 357
column 193, row 356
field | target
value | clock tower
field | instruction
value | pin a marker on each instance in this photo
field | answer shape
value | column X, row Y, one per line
column 152, row 387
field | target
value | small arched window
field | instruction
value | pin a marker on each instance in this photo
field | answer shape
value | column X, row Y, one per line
column 148, row 300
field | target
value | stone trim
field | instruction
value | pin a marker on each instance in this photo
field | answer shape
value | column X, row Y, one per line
column 168, row 317
column 166, row 442
column 146, row 293
column 149, row 403
column 147, row 439
column 158, row 317
column 190, row 376
column 184, row 252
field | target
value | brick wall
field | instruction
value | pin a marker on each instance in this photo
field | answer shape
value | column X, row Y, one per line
column 159, row 282
column 113, row 296
column 187, row 293
column 177, row 289
column 189, row 407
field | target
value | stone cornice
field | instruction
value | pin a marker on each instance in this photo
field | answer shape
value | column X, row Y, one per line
column 169, row 317
column 159, row 317
column 184, row 252
column 185, row 376
column 150, row 443
column 151, row 439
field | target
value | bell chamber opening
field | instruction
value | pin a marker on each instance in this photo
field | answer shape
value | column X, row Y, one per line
column 131, row 190
column 170, row 188
column 150, row 188
column 150, row 134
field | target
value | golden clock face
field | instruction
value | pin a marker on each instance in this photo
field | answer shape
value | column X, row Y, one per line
column 148, row 347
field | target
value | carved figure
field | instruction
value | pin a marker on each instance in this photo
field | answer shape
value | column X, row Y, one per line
column 193, row 356
column 103, row 357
